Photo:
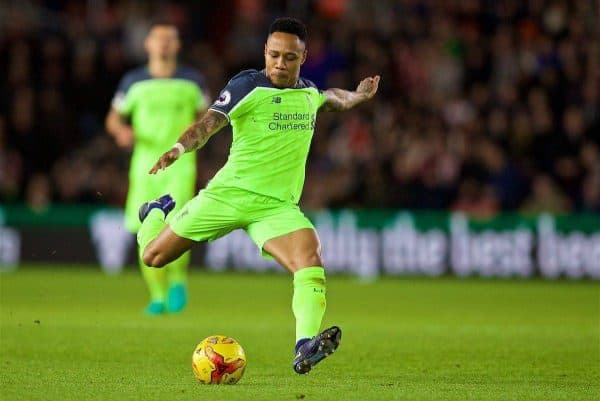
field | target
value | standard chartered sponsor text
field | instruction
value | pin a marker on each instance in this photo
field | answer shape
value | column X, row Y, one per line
column 292, row 121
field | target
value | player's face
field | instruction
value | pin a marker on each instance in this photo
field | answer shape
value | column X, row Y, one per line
column 163, row 42
column 284, row 54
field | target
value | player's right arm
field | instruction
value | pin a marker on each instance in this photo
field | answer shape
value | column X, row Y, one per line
column 121, row 107
column 118, row 128
column 193, row 138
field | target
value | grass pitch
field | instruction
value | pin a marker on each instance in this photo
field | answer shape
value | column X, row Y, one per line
column 72, row 333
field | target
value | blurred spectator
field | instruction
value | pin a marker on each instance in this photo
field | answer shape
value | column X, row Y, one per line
column 545, row 197
column 483, row 105
column 502, row 175
column 324, row 61
column 10, row 167
column 475, row 200
column 591, row 193
column 38, row 193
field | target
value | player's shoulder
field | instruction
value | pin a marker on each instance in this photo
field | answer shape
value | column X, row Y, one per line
column 133, row 76
column 190, row 74
column 305, row 83
column 244, row 82
column 246, row 77
column 237, row 89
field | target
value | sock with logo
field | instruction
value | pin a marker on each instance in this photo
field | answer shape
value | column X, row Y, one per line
column 308, row 302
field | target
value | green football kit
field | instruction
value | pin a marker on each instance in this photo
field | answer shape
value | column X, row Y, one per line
column 159, row 109
column 259, row 186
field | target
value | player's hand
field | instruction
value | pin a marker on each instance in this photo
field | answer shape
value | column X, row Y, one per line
column 124, row 137
column 165, row 161
column 368, row 86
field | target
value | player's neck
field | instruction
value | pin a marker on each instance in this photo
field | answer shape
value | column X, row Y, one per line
column 162, row 68
column 295, row 84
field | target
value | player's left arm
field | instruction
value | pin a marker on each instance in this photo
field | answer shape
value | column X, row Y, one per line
column 340, row 99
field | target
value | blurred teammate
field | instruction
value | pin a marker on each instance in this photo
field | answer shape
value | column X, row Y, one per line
column 273, row 114
column 153, row 104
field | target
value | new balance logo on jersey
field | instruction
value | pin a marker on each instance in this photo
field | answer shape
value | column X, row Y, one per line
column 276, row 99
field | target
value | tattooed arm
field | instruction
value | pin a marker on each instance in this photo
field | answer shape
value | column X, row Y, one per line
column 193, row 138
column 340, row 99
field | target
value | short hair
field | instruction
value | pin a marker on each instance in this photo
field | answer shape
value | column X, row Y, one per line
column 289, row 25
column 162, row 22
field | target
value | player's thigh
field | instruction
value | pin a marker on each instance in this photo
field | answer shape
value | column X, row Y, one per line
column 288, row 237
column 296, row 250
column 205, row 217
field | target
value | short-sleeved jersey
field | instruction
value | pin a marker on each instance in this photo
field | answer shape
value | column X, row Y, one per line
column 160, row 109
column 272, row 132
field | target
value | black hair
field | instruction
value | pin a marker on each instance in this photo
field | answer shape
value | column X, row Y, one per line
column 289, row 25
column 162, row 22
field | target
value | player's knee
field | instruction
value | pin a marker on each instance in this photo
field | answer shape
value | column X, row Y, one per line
column 315, row 259
column 308, row 259
column 148, row 258
column 153, row 258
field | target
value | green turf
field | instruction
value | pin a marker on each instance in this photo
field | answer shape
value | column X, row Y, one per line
column 75, row 334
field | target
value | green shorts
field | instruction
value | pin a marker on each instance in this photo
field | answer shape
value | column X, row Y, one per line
column 218, row 210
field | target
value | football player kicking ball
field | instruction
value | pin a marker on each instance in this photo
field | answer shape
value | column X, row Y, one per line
column 272, row 113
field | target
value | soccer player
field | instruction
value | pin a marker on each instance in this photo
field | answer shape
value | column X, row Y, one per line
column 152, row 106
column 272, row 113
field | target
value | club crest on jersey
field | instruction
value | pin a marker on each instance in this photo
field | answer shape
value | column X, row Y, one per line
column 224, row 99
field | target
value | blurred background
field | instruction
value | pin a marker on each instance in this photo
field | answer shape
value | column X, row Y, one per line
column 485, row 106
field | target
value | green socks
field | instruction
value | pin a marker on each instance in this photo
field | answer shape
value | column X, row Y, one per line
column 155, row 278
column 177, row 269
column 309, row 302
column 158, row 278
column 151, row 227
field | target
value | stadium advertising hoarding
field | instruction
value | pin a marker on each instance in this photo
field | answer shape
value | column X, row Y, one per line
column 369, row 243
column 365, row 243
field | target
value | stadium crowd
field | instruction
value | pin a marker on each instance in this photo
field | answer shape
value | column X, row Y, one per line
column 484, row 105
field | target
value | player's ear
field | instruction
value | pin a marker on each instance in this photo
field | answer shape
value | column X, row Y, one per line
column 304, row 54
column 265, row 52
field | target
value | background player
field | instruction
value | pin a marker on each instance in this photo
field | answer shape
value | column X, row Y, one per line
column 272, row 113
column 153, row 104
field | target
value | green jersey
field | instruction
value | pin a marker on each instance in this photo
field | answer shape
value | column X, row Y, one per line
column 160, row 109
column 272, row 132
